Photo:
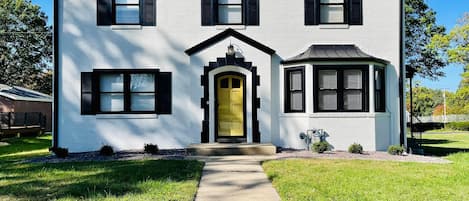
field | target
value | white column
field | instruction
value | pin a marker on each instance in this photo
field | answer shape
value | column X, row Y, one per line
column 371, row 89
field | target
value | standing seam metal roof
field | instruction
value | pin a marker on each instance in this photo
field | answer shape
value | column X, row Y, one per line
column 334, row 53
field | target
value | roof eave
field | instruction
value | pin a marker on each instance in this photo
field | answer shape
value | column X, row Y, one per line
column 292, row 61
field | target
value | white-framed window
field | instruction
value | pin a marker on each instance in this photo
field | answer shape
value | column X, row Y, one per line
column 230, row 12
column 127, row 92
column 341, row 88
column 126, row 12
column 332, row 12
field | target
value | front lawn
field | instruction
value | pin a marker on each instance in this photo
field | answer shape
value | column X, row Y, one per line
column 323, row 179
column 115, row 180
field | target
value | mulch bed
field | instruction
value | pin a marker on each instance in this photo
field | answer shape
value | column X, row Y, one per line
column 380, row 156
column 181, row 154
column 173, row 154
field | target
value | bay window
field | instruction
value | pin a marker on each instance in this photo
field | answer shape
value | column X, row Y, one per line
column 341, row 89
column 295, row 90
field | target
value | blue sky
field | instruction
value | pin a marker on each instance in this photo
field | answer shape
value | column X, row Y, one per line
column 448, row 12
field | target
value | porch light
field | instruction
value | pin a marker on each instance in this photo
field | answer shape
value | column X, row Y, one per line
column 231, row 50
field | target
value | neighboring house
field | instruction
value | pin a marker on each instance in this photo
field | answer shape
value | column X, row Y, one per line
column 20, row 108
column 175, row 73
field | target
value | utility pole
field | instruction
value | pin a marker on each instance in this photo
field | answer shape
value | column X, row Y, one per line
column 445, row 120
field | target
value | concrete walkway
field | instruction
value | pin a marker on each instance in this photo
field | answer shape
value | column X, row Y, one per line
column 235, row 178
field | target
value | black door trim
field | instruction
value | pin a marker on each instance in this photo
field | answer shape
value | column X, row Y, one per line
column 204, row 81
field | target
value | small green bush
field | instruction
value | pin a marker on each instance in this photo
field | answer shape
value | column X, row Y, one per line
column 355, row 148
column 60, row 152
column 320, row 147
column 395, row 150
column 151, row 148
column 462, row 126
column 106, row 150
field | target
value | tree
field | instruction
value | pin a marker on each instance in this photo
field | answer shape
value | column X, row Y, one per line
column 456, row 44
column 25, row 46
column 425, row 100
column 421, row 57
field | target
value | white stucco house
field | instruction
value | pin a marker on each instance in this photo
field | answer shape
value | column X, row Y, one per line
column 179, row 72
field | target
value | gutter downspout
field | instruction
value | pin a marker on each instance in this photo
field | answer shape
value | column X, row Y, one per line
column 402, row 77
column 55, row 130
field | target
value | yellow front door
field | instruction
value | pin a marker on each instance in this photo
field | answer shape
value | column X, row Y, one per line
column 230, row 97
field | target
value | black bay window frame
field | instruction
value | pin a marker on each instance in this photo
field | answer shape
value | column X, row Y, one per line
column 127, row 91
column 114, row 12
column 340, row 86
column 288, row 91
column 344, row 4
column 229, row 4
column 382, row 92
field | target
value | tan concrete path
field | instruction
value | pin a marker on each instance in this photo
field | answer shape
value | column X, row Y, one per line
column 235, row 178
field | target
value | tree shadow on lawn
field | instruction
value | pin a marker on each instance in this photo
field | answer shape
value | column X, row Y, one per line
column 93, row 180
column 434, row 150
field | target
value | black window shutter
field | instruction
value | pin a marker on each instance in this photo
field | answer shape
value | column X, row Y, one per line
column 312, row 12
column 148, row 16
column 355, row 12
column 252, row 12
column 104, row 13
column 208, row 12
column 163, row 93
column 87, row 107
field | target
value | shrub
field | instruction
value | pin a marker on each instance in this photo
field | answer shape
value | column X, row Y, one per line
column 151, row 148
column 395, row 150
column 463, row 126
column 320, row 147
column 60, row 152
column 106, row 150
column 355, row 148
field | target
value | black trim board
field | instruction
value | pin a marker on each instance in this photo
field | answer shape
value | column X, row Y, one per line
column 225, row 34
column 55, row 130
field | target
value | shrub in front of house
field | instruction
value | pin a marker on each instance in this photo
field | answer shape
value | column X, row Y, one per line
column 60, row 152
column 395, row 150
column 462, row 126
column 106, row 150
column 320, row 147
column 355, row 148
column 151, row 148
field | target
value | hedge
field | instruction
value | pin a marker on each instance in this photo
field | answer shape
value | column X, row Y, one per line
column 463, row 126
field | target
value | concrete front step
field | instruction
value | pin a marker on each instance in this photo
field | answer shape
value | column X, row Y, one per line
column 223, row 149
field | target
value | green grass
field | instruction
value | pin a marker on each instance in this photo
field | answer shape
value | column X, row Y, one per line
column 322, row 179
column 115, row 180
column 445, row 144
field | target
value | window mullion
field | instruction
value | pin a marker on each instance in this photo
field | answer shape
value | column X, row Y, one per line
column 127, row 93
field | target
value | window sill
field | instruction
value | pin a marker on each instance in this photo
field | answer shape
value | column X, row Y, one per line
column 343, row 115
column 126, row 27
column 236, row 27
column 334, row 26
column 126, row 116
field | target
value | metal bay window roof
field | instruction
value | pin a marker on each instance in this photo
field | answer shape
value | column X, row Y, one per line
column 333, row 53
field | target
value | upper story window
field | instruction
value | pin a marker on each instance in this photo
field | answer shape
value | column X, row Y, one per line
column 341, row 89
column 230, row 12
column 332, row 11
column 126, row 12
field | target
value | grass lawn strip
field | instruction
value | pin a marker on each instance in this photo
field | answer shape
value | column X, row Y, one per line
column 114, row 180
column 323, row 179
